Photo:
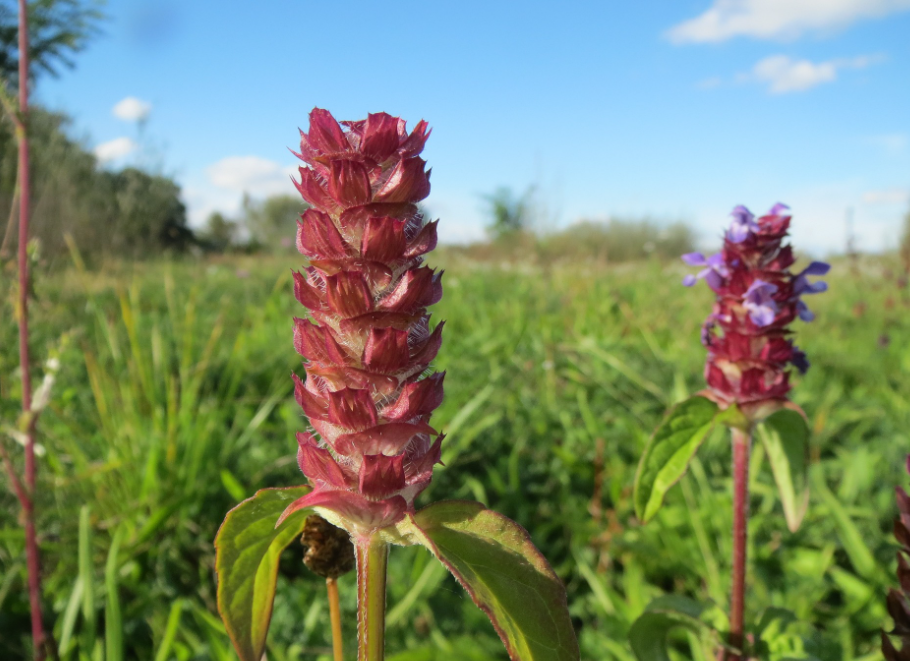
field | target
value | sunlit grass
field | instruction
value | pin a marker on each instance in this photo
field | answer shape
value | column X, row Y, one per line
column 173, row 402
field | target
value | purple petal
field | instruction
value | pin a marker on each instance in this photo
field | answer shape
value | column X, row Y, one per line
column 742, row 215
column 804, row 312
column 777, row 208
column 695, row 259
column 689, row 280
column 738, row 233
column 815, row 287
column 799, row 360
column 816, row 268
column 760, row 288
column 717, row 263
column 713, row 278
column 762, row 315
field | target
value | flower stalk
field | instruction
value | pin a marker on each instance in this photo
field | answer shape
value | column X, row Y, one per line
column 372, row 563
column 742, row 442
column 331, row 585
column 750, row 353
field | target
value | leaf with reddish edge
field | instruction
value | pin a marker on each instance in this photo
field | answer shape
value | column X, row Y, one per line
column 507, row 577
column 669, row 451
column 248, row 547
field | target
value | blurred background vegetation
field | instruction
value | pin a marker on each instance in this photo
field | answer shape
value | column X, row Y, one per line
column 173, row 402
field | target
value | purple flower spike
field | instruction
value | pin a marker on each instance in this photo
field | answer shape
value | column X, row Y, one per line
column 714, row 272
column 762, row 308
column 743, row 224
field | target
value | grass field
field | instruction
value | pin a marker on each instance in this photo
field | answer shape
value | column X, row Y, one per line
column 173, row 402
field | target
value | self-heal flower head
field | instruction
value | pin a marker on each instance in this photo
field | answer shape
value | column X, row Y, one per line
column 367, row 340
column 747, row 334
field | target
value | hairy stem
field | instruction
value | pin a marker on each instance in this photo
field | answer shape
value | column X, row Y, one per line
column 741, row 445
column 31, row 537
column 331, row 585
column 372, row 559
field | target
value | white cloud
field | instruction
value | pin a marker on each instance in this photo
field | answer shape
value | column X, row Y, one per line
column 132, row 109
column 777, row 19
column 257, row 176
column 887, row 196
column 114, row 149
column 783, row 74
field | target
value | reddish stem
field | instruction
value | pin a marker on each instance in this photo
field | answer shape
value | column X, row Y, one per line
column 741, row 445
column 31, row 539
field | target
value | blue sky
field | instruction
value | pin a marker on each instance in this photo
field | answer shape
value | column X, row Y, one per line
column 672, row 110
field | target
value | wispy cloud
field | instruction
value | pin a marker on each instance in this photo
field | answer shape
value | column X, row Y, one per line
column 252, row 174
column 710, row 83
column 783, row 74
column 777, row 19
column 892, row 143
column 114, row 149
column 887, row 196
column 132, row 109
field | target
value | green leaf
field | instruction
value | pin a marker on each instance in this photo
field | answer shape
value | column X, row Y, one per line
column 785, row 437
column 507, row 577
column 671, row 448
column 649, row 633
column 247, row 551
column 851, row 538
column 113, row 619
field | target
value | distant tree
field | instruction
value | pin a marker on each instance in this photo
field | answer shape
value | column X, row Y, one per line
column 272, row 222
column 127, row 213
column 219, row 232
column 150, row 218
column 507, row 213
column 57, row 30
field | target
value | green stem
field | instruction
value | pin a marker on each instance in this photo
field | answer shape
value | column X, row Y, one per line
column 372, row 559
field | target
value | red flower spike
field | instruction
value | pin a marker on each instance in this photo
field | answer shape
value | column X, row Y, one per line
column 366, row 339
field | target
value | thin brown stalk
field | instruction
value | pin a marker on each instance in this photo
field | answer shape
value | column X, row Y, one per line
column 331, row 585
